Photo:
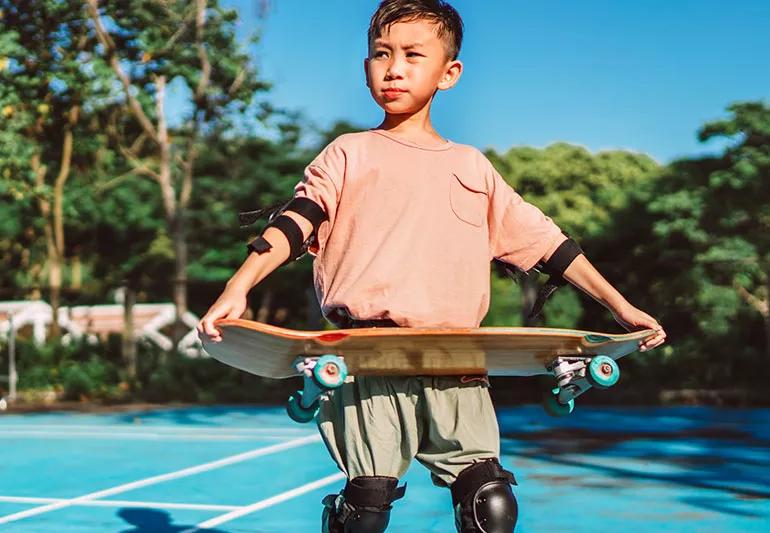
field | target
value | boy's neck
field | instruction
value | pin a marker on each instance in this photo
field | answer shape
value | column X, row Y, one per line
column 414, row 127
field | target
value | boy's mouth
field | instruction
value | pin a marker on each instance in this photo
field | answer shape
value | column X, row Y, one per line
column 393, row 92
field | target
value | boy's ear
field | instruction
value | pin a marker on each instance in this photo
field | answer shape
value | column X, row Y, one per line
column 452, row 73
column 366, row 72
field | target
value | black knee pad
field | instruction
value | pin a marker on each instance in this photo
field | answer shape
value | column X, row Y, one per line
column 363, row 506
column 483, row 499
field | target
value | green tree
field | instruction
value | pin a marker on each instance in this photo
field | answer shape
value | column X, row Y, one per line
column 721, row 214
column 47, row 97
column 150, row 44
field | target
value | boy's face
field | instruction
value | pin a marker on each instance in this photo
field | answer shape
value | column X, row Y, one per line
column 407, row 64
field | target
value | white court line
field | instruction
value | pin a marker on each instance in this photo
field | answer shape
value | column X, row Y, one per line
column 278, row 498
column 136, row 436
column 164, row 477
column 123, row 503
column 148, row 427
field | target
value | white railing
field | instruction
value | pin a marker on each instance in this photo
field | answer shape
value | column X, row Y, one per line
column 90, row 322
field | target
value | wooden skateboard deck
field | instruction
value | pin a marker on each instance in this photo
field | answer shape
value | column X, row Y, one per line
column 577, row 359
column 269, row 351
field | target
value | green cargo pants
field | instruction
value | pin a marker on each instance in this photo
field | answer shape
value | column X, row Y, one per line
column 375, row 426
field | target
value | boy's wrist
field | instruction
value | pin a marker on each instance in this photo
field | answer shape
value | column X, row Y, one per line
column 237, row 286
column 617, row 304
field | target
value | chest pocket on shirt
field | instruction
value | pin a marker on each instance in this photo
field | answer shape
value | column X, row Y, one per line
column 468, row 199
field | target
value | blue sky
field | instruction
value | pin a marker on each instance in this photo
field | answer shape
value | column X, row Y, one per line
column 639, row 75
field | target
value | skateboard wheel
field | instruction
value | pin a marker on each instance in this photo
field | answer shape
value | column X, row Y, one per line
column 297, row 412
column 602, row 372
column 554, row 407
column 330, row 371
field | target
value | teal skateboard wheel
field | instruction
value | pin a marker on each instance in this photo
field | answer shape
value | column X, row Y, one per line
column 602, row 372
column 297, row 412
column 330, row 371
column 554, row 407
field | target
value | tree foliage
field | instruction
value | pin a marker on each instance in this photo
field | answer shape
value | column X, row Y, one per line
column 714, row 214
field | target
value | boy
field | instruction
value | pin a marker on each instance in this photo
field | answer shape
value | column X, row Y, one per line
column 404, row 224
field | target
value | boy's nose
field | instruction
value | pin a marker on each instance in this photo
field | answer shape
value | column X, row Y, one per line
column 393, row 75
column 395, row 70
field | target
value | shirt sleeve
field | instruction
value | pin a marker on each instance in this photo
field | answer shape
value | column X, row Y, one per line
column 322, row 183
column 519, row 233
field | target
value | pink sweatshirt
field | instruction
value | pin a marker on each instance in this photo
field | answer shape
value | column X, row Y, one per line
column 412, row 229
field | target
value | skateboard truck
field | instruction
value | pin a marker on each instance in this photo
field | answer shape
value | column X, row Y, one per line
column 575, row 375
column 319, row 375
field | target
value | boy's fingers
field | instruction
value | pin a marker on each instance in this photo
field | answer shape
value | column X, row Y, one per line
column 208, row 327
column 651, row 323
column 654, row 341
column 210, row 330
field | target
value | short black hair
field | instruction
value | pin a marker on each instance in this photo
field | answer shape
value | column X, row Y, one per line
column 447, row 19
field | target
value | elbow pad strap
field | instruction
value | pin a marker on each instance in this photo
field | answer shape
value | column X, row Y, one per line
column 292, row 232
column 562, row 258
column 303, row 206
column 259, row 245
column 308, row 209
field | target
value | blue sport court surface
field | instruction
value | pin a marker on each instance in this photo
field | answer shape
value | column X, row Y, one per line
column 250, row 469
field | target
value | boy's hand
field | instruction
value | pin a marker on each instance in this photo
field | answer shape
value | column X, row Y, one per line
column 634, row 319
column 231, row 304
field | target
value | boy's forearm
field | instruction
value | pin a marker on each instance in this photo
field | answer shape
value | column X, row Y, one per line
column 582, row 274
column 257, row 267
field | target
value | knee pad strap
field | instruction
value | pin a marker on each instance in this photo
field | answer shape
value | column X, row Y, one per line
column 363, row 506
column 373, row 491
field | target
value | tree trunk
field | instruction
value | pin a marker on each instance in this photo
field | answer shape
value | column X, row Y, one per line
column 180, row 276
column 57, row 255
column 129, row 341
column 76, row 281
column 529, row 295
column 53, row 263
column 54, row 217
column 54, row 285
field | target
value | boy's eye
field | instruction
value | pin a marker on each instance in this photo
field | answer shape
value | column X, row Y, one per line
column 413, row 54
column 380, row 53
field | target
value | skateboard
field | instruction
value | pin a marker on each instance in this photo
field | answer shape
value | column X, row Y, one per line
column 578, row 360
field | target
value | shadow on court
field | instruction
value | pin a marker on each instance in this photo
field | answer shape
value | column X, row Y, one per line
column 730, row 465
column 154, row 521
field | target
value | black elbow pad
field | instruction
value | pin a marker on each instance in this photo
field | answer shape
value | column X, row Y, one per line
column 298, row 246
